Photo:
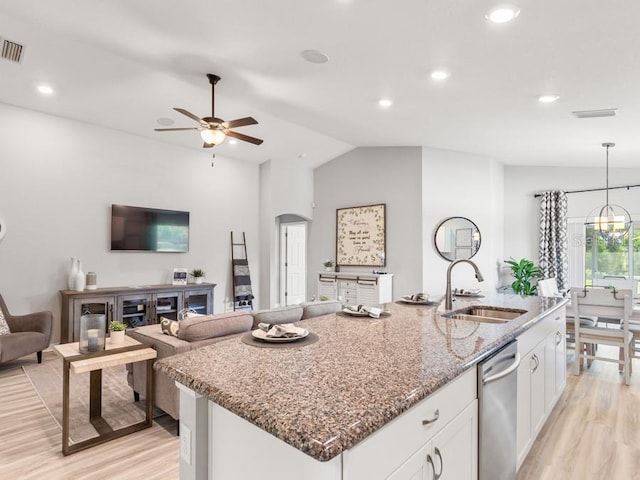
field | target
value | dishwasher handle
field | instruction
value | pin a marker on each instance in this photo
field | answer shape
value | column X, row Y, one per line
column 505, row 372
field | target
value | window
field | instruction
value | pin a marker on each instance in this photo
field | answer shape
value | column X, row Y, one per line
column 614, row 263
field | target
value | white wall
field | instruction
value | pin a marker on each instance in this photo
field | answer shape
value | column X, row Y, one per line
column 461, row 185
column 367, row 176
column 521, row 208
column 57, row 190
column 286, row 188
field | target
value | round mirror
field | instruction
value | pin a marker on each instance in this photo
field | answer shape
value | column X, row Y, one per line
column 456, row 238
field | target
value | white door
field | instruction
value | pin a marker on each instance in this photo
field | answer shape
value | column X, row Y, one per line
column 293, row 284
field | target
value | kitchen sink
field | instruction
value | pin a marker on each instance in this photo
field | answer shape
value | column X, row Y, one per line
column 486, row 314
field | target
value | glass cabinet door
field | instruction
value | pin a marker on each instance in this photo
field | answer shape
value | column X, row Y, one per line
column 200, row 301
column 133, row 310
column 167, row 305
column 85, row 306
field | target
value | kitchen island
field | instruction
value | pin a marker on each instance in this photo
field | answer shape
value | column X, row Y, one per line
column 328, row 401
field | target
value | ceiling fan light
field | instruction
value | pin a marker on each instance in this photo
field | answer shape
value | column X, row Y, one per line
column 212, row 137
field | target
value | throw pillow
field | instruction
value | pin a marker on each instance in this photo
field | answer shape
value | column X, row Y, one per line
column 169, row 327
column 4, row 326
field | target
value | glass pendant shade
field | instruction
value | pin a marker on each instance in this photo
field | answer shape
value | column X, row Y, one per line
column 611, row 221
column 212, row 137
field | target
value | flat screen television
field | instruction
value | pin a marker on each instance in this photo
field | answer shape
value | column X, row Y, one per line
column 149, row 229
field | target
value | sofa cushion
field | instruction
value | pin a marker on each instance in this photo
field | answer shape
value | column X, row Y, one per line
column 316, row 309
column 278, row 315
column 193, row 329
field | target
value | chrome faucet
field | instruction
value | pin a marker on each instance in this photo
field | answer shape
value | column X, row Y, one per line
column 448, row 297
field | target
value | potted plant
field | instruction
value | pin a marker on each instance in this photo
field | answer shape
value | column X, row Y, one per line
column 328, row 265
column 524, row 271
column 198, row 275
column 116, row 332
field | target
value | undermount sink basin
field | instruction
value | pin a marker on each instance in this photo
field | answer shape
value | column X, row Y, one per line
column 486, row 314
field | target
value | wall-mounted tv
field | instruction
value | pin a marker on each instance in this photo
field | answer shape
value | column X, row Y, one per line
column 149, row 229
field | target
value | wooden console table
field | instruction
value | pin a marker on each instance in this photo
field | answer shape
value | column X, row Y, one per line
column 113, row 355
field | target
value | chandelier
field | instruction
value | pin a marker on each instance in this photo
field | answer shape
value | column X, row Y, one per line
column 611, row 221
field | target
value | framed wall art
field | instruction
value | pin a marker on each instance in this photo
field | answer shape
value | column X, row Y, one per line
column 361, row 236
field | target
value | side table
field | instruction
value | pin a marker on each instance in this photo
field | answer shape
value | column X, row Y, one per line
column 75, row 362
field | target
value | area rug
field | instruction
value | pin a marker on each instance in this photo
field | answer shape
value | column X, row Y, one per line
column 118, row 407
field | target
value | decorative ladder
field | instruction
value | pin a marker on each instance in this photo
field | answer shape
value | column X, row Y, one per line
column 242, row 294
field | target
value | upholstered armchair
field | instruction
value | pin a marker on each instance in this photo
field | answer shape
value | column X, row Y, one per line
column 29, row 333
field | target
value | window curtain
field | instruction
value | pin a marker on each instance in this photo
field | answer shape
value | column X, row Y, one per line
column 553, row 251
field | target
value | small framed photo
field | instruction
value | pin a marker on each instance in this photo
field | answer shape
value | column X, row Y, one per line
column 463, row 237
column 179, row 276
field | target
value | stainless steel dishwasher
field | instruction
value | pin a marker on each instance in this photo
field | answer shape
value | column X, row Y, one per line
column 497, row 391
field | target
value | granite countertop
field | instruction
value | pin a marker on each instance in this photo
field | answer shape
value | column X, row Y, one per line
column 325, row 397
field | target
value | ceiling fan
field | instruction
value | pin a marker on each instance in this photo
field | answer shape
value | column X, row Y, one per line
column 214, row 130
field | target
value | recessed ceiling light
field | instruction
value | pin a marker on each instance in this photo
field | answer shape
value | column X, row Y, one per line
column 502, row 13
column 385, row 102
column 314, row 56
column 232, row 141
column 439, row 75
column 548, row 98
column 45, row 89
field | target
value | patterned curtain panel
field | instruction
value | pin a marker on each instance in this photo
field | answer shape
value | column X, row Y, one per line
column 553, row 254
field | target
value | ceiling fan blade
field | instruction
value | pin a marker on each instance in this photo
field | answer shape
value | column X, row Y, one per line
column 190, row 115
column 240, row 122
column 207, row 145
column 174, row 129
column 246, row 138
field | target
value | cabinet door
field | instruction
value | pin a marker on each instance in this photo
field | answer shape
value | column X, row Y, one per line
column 537, row 368
column 167, row 305
column 134, row 310
column 550, row 371
column 199, row 300
column 367, row 294
column 417, row 467
column 561, row 360
column 327, row 289
column 83, row 306
column 455, row 448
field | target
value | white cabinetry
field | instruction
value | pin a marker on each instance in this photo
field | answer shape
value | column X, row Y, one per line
column 451, row 455
column 442, row 430
column 541, row 377
column 356, row 289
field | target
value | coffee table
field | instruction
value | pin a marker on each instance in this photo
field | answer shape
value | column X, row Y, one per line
column 75, row 362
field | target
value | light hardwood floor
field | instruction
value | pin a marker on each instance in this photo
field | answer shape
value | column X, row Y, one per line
column 592, row 434
column 31, row 442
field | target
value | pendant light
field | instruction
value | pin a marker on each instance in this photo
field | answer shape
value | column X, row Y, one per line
column 612, row 221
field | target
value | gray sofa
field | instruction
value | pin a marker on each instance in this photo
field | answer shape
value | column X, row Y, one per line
column 30, row 333
column 194, row 332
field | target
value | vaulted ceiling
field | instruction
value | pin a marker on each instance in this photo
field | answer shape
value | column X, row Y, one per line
column 126, row 64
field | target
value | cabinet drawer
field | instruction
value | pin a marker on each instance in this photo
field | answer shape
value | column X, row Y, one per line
column 538, row 332
column 348, row 284
column 382, row 452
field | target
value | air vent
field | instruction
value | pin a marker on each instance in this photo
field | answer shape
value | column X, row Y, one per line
column 608, row 112
column 12, row 51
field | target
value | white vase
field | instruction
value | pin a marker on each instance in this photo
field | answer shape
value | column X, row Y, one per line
column 79, row 280
column 116, row 338
column 73, row 270
column 197, row 279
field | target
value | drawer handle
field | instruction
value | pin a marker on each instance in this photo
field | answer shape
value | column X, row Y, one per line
column 436, row 477
column 433, row 467
column 535, row 359
column 436, row 416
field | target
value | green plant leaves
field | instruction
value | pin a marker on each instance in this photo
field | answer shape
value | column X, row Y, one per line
column 524, row 271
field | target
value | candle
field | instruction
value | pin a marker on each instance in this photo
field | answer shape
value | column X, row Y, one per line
column 92, row 339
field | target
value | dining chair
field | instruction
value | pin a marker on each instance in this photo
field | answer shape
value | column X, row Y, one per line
column 603, row 302
column 549, row 288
